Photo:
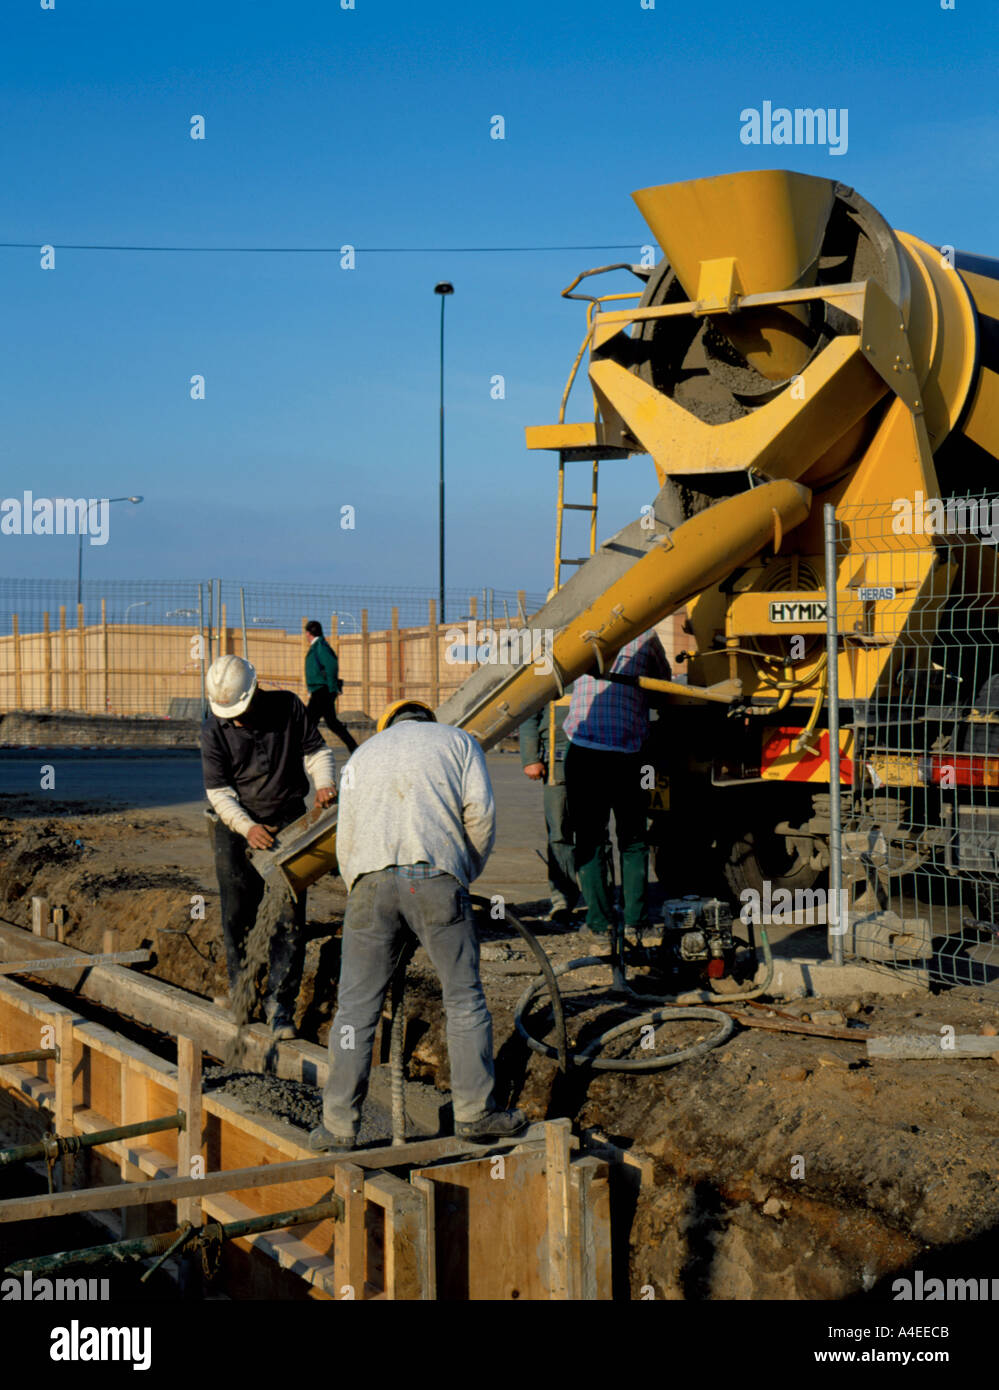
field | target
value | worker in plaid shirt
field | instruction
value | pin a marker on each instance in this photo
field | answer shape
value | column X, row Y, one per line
column 606, row 726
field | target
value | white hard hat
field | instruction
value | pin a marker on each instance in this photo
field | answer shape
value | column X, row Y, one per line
column 231, row 684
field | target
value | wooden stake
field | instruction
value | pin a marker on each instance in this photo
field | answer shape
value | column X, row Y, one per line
column 47, row 663
column 81, row 658
column 349, row 1246
column 18, row 684
column 63, row 659
column 63, row 1108
column 39, row 916
column 434, row 645
column 59, row 922
column 557, row 1135
column 365, row 664
column 395, row 660
column 189, row 1145
column 105, row 661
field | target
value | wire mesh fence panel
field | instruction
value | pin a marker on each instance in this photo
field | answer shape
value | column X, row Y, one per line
column 140, row 648
column 918, row 617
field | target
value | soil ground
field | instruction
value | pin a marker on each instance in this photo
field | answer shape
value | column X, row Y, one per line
column 782, row 1166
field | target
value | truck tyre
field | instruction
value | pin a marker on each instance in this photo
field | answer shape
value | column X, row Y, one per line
column 753, row 852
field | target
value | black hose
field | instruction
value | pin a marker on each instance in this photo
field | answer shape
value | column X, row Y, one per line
column 561, row 1050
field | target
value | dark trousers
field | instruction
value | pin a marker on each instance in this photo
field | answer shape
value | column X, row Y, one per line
column 241, row 890
column 562, row 886
column 322, row 705
column 600, row 781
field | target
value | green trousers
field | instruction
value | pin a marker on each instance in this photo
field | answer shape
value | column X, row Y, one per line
column 599, row 782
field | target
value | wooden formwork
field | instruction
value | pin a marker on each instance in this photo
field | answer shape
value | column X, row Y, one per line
column 433, row 1219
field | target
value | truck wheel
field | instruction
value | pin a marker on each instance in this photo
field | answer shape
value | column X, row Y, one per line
column 753, row 851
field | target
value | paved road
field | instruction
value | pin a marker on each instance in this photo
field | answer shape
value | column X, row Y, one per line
column 173, row 782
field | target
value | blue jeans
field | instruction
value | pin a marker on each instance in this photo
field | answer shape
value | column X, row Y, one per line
column 379, row 908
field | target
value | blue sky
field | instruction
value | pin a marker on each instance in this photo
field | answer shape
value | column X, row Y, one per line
column 372, row 126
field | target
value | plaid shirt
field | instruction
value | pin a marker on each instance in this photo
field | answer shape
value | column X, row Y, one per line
column 603, row 714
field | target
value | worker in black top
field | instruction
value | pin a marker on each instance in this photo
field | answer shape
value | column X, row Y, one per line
column 322, row 680
column 258, row 751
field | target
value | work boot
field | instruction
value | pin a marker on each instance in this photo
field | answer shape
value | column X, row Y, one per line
column 321, row 1140
column 494, row 1124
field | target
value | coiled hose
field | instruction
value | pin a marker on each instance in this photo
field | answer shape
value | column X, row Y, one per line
column 587, row 1056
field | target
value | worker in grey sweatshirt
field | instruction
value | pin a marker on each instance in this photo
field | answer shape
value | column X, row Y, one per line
column 416, row 824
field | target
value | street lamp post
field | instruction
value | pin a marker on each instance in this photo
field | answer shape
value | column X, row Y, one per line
column 139, row 603
column 79, row 537
column 443, row 288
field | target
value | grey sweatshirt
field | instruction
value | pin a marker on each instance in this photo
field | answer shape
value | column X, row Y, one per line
column 416, row 792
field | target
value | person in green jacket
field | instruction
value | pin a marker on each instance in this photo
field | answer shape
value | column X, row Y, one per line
column 534, row 737
column 323, row 683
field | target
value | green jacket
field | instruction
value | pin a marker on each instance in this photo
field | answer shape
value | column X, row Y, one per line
column 534, row 737
column 321, row 667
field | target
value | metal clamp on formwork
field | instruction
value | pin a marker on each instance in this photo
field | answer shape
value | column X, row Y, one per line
column 55, row 1146
column 205, row 1238
column 38, row 1054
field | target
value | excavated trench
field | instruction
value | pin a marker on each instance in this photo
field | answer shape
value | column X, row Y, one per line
column 778, row 1166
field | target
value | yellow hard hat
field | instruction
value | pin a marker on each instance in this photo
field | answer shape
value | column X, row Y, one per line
column 396, row 707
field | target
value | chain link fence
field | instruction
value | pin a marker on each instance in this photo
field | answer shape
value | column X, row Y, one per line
column 140, row 648
column 917, row 611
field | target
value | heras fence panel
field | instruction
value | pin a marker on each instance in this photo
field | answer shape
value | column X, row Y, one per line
column 918, row 600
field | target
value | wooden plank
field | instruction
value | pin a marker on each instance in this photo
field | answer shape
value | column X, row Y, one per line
column 348, row 1255
column 490, row 1227
column 155, row 1003
column 932, row 1047
column 62, row 1110
column 59, row 922
column 83, row 694
column 46, row 662
column 42, row 965
column 557, row 1135
column 429, row 1191
column 365, row 664
column 285, row 1246
column 63, row 659
column 231, row 1180
column 105, row 674
column 434, row 655
column 18, row 684
column 590, row 1241
column 189, row 1141
column 405, row 1235
column 39, row 921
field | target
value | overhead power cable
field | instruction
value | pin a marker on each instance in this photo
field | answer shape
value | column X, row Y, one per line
column 311, row 250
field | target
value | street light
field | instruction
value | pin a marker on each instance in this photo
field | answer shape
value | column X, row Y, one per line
column 443, row 288
column 79, row 548
column 139, row 603
column 340, row 615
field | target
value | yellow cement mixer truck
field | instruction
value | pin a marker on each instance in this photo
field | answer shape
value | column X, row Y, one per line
column 789, row 350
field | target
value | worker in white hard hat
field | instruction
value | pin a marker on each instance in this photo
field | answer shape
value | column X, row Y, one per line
column 416, row 823
column 258, row 752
